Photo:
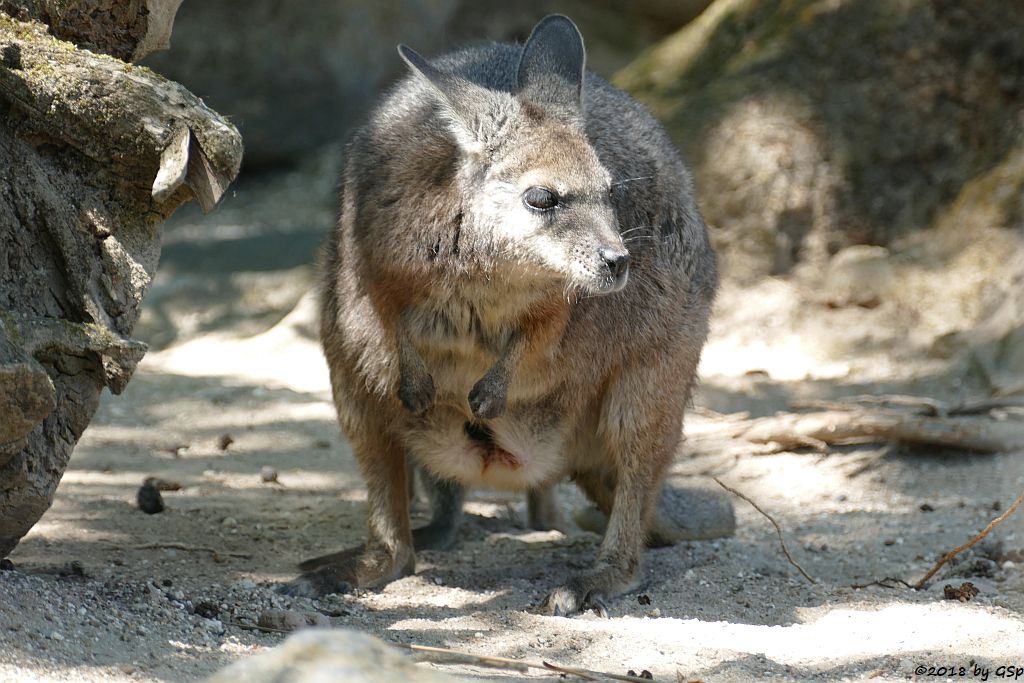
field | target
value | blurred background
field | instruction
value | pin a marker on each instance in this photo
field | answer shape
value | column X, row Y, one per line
column 860, row 165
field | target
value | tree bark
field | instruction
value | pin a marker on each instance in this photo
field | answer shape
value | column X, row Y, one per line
column 94, row 154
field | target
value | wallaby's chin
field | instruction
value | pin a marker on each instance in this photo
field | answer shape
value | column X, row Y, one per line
column 601, row 285
column 610, row 285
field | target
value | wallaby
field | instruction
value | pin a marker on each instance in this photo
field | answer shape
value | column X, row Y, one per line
column 518, row 290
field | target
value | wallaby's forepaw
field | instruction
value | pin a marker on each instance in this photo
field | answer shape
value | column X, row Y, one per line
column 574, row 598
column 416, row 392
column 487, row 399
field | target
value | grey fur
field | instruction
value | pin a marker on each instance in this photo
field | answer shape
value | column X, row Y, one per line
column 496, row 344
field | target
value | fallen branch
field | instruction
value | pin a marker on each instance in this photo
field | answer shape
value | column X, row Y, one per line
column 175, row 546
column 918, row 405
column 857, row 425
column 956, row 551
column 441, row 655
column 778, row 529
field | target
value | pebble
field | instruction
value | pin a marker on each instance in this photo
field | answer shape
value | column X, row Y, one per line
column 268, row 475
column 654, row 613
column 214, row 626
column 56, row 636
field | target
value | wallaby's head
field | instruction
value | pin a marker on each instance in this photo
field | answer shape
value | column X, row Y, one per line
column 532, row 184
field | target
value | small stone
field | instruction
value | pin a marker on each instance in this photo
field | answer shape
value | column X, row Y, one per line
column 214, row 626
column 56, row 636
column 654, row 613
column 229, row 522
column 438, row 581
column 149, row 499
column 225, row 441
column 268, row 475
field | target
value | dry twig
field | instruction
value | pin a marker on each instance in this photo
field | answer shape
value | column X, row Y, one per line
column 441, row 655
column 956, row 551
column 175, row 546
column 778, row 529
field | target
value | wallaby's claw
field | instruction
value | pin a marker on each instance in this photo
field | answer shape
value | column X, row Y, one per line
column 416, row 393
column 486, row 400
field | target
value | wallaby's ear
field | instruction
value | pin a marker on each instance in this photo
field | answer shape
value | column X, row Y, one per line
column 551, row 67
column 466, row 106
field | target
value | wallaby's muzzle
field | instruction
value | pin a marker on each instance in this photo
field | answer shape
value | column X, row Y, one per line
column 616, row 260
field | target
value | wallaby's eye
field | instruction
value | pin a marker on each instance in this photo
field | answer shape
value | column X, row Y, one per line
column 540, row 198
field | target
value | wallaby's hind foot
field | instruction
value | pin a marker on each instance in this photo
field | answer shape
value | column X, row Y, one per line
column 446, row 499
column 589, row 590
column 347, row 570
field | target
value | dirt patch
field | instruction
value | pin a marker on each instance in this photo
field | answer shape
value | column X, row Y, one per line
column 102, row 591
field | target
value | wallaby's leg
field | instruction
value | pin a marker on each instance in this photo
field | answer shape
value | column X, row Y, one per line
column 639, row 451
column 446, row 499
column 488, row 396
column 415, row 385
column 544, row 511
column 599, row 487
column 388, row 552
column 618, row 559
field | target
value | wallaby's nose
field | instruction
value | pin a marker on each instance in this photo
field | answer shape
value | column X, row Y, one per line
column 617, row 261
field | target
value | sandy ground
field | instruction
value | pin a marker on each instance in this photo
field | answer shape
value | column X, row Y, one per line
column 104, row 592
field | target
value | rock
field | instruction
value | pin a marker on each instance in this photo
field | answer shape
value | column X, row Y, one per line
column 687, row 512
column 268, row 475
column 860, row 275
column 291, row 620
column 149, row 499
column 102, row 152
column 320, row 656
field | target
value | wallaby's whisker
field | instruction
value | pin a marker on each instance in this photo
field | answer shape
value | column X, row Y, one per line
column 631, row 180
